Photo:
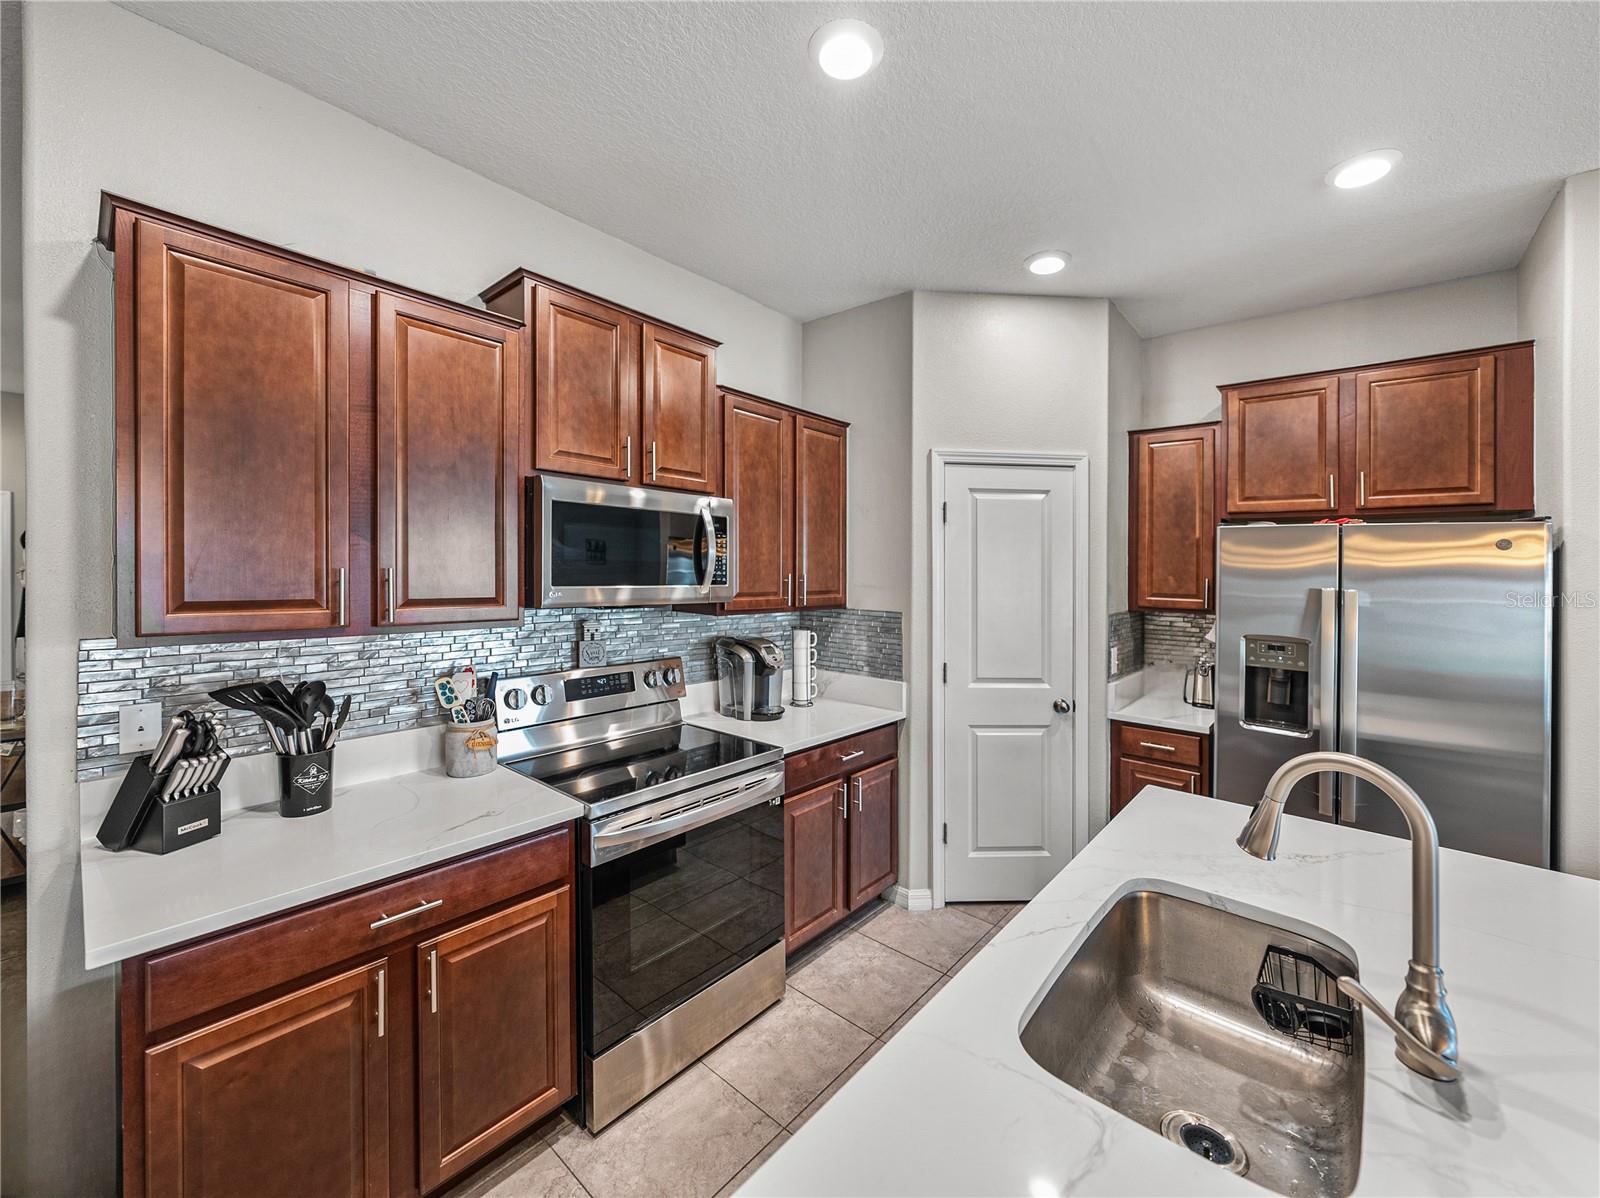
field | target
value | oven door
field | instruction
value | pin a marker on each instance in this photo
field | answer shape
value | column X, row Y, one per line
column 675, row 896
column 608, row 545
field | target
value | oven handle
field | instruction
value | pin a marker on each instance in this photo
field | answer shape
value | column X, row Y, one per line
column 730, row 797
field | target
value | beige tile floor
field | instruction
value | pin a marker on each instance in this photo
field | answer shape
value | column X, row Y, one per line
column 712, row 1126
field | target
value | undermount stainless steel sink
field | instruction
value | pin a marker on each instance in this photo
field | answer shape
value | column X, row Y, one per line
column 1153, row 1016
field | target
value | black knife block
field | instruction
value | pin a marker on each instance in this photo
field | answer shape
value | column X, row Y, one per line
column 139, row 819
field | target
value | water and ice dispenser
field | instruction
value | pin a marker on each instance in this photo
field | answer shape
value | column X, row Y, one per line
column 1277, row 684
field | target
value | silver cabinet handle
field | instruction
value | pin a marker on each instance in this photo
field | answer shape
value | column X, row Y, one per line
column 802, row 590
column 652, row 461
column 852, row 756
column 858, row 795
column 344, row 607
column 1361, row 492
column 1332, row 494
column 388, row 594
column 627, row 456
column 844, row 799
column 384, row 920
column 788, row 590
column 383, row 1001
column 1150, row 744
column 433, row 981
column 1205, row 594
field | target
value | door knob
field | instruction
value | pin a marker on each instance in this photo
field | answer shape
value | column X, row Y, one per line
column 1064, row 706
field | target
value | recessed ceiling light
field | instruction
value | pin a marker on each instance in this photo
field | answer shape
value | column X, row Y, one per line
column 1364, row 169
column 846, row 49
column 1049, row 262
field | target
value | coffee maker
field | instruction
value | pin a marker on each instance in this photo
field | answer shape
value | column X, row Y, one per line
column 749, row 677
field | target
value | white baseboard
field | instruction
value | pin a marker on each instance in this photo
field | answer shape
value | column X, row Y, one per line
column 911, row 900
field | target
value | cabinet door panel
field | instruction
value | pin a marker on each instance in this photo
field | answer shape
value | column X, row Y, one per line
column 759, row 473
column 1133, row 776
column 873, row 831
column 239, row 503
column 447, row 403
column 814, row 863
column 586, row 387
column 494, row 1031
column 1425, row 434
column 682, row 419
column 290, row 1097
column 1283, row 446
column 820, row 468
column 1174, row 518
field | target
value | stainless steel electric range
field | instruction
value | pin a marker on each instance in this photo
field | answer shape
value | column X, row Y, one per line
column 680, row 878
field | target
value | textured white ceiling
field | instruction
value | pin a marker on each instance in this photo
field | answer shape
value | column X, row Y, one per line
column 1177, row 151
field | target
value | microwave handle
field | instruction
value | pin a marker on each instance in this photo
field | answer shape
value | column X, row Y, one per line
column 710, row 527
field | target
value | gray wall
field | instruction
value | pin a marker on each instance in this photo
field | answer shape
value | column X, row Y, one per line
column 114, row 102
column 1124, row 412
column 1183, row 370
column 1559, row 307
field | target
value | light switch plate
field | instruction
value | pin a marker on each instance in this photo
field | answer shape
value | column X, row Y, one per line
column 138, row 727
column 1114, row 660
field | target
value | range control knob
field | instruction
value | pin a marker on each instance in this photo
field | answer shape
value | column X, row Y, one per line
column 541, row 695
column 651, row 678
column 672, row 675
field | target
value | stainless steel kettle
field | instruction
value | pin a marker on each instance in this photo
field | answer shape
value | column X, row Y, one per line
column 1199, row 685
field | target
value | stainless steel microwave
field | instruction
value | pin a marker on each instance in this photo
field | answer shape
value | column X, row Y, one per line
column 595, row 544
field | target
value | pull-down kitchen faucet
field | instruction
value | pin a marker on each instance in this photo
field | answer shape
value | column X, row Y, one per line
column 1424, row 1030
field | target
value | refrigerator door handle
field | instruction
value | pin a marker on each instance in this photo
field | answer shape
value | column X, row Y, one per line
column 1349, row 742
column 1328, row 695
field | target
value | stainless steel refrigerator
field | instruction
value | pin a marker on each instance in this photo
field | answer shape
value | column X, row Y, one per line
column 1423, row 647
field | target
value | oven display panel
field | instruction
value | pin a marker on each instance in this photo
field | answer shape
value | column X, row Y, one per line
column 598, row 685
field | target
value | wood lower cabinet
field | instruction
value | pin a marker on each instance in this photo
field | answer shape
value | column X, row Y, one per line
column 1172, row 518
column 448, row 401
column 841, row 831
column 233, row 405
column 814, row 862
column 1147, row 756
column 821, row 466
column 1446, row 434
column 681, row 426
column 290, row 1096
column 335, row 1050
column 477, row 1085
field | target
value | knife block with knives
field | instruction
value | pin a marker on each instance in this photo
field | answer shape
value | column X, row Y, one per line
column 171, row 797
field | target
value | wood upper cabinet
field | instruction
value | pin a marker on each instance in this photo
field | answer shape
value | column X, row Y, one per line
column 1425, row 434
column 448, row 391
column 233, row 405
column 758, row 470
column 1172, row 521
column 288, row 1097
column 585, row 386
column 873, row 835
column 681, row 430
column 814, row 896
column 821, row 466
column 1449, row 433
column 494, row 1031
column 1282, row 442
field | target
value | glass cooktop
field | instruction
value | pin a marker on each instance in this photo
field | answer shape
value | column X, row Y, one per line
column 627, row 765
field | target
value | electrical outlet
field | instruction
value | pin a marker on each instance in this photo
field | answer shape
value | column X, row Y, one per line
column 1115, row 656
column 138, row 727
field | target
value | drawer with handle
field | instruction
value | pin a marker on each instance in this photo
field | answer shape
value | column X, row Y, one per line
column 1159, row 745
column 192, row 979
column 839, row 757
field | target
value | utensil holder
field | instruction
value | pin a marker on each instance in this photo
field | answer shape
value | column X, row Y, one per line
column 469, row 749
column 305, row 783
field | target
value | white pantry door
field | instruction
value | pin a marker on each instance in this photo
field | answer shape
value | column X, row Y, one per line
column 1009, row 591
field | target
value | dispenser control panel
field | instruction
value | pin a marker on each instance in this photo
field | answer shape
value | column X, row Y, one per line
column 1279, row 654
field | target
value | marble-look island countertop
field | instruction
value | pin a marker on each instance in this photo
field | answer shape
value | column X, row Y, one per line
column 954, row 1104
column 261, row 863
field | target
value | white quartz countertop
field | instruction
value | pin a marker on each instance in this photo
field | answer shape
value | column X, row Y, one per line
column 261, row 863
column 954, row 1104
column 1154, row 697
column 862, row 704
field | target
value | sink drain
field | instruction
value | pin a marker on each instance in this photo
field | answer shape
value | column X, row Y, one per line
column 1199, row 1137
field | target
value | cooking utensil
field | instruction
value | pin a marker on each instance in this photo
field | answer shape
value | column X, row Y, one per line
column 261, row 701
column 338, row 723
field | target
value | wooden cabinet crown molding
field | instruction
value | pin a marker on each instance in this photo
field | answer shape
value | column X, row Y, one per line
column 522, row 279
